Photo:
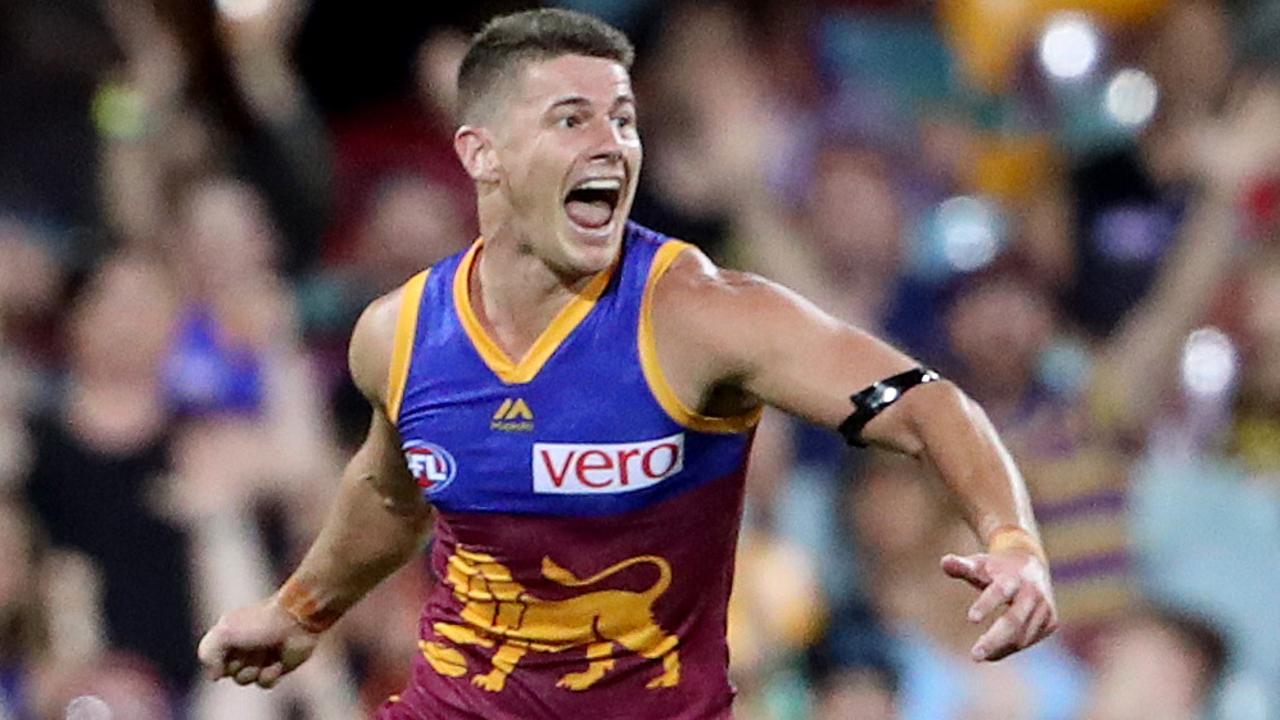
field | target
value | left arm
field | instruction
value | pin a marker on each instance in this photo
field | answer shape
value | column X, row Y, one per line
column 720, row 330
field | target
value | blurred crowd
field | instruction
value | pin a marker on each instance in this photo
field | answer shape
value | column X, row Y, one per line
column 1071, row 207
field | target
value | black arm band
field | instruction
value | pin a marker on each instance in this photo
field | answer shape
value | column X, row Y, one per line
column 873, row 400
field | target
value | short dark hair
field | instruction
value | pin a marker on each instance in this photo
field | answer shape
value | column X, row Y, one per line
column 508, row 41
column 1197, row 633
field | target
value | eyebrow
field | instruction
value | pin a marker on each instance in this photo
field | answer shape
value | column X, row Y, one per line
column 569, row 100
column 624, row 99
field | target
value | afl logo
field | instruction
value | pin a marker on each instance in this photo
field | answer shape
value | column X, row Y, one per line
column 431, row 465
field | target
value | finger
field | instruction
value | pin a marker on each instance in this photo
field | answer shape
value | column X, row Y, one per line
column 212, row 654
column 270, row 675
column 252, row 665
column 1002, row 637
column 1037, row 628
column 295, row 652
column 999, row 592
column 247, row 675
column 972, row 569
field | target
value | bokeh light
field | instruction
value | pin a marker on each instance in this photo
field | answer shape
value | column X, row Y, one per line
column 1209, row 362
column 1069, row 48
column 88, row 707
column 970, row 229
column 1131, row 98
column 243, row 9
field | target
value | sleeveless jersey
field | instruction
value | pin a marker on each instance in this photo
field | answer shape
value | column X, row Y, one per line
column 586, row 519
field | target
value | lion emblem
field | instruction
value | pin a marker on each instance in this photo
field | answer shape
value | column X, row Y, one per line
column 498, row 611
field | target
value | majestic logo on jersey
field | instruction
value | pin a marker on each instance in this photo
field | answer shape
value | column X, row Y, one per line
column 578, row 468
column 499, row 612
column 431, row 465
column 513, row 415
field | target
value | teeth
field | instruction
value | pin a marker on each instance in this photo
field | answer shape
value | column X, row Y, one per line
column 600, row 184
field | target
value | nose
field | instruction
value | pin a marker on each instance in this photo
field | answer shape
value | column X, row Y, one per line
column 611, row 154
column 607, row 141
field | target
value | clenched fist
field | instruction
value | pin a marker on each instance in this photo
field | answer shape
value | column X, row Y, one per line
column 256, row 644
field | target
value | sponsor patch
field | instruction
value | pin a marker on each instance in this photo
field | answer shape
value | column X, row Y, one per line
column 589, row 468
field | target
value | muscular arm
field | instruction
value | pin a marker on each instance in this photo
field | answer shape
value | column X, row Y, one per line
column 721, row 332
column 377, row 523
column 379, row 519
column 781, row 350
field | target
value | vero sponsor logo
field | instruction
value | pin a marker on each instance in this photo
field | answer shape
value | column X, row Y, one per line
column 585, row 468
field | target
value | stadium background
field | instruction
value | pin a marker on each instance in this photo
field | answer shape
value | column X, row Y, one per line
column 1069, row 206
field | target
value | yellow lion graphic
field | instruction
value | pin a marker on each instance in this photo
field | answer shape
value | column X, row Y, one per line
column 499, row 611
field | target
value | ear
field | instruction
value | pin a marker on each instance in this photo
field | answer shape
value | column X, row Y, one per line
column 475, row 149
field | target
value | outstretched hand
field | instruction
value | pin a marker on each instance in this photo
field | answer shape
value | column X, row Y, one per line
column 1016, row 580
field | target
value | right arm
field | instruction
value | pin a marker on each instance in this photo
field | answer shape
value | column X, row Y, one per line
column 378, row 522
column 1226, row 156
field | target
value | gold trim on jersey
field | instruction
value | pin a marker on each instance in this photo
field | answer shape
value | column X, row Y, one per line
column 402, row 349
column 653, row 373
column 564, row 323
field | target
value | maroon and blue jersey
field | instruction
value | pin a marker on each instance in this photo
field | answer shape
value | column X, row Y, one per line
column 586, row 519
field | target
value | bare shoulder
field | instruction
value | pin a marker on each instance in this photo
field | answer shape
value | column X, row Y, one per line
column 697, row 286
column 372, row 343
column 724, row 313
column 693, row 276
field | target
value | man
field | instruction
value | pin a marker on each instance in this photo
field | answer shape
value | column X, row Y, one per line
column 574, row 398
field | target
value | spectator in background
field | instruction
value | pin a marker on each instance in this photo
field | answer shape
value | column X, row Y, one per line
column 778, row 607
column 1204, row 497
column 843, row 244
column 17, row 396
column 116, row 684
column 252, row 441
column 23, row 613
column 31, row 281
column 202, row 90
column 234, row 370
column 237, row 357
column 407, row 134
column 99, row 457
column 731, row 116
column 852, row 669
column 51, row 56
column 1127, row 205
column 1000, row 327
column 1159, row 664
column 903, row 526
column 720, row 123
column 378, row 634
column 1076, row 434
column 410, row 223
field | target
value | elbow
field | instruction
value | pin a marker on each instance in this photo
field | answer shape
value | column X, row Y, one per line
column 936, row 413
column 401, row 502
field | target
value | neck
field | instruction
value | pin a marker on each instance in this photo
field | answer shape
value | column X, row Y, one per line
column 515, row 292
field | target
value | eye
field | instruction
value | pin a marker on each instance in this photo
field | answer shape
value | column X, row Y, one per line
column 624, row 121
column 570, row 122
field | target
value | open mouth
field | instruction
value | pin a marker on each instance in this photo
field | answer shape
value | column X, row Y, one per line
column 591, row 203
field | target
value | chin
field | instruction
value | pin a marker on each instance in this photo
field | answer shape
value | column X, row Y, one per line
column 592, row 251
column 591, row 260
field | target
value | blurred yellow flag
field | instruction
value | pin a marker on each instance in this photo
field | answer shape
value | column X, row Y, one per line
column 1012, row 168
column 989, row 36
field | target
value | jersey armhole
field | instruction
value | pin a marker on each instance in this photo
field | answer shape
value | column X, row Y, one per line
column 653, row 373
column 402, row 349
